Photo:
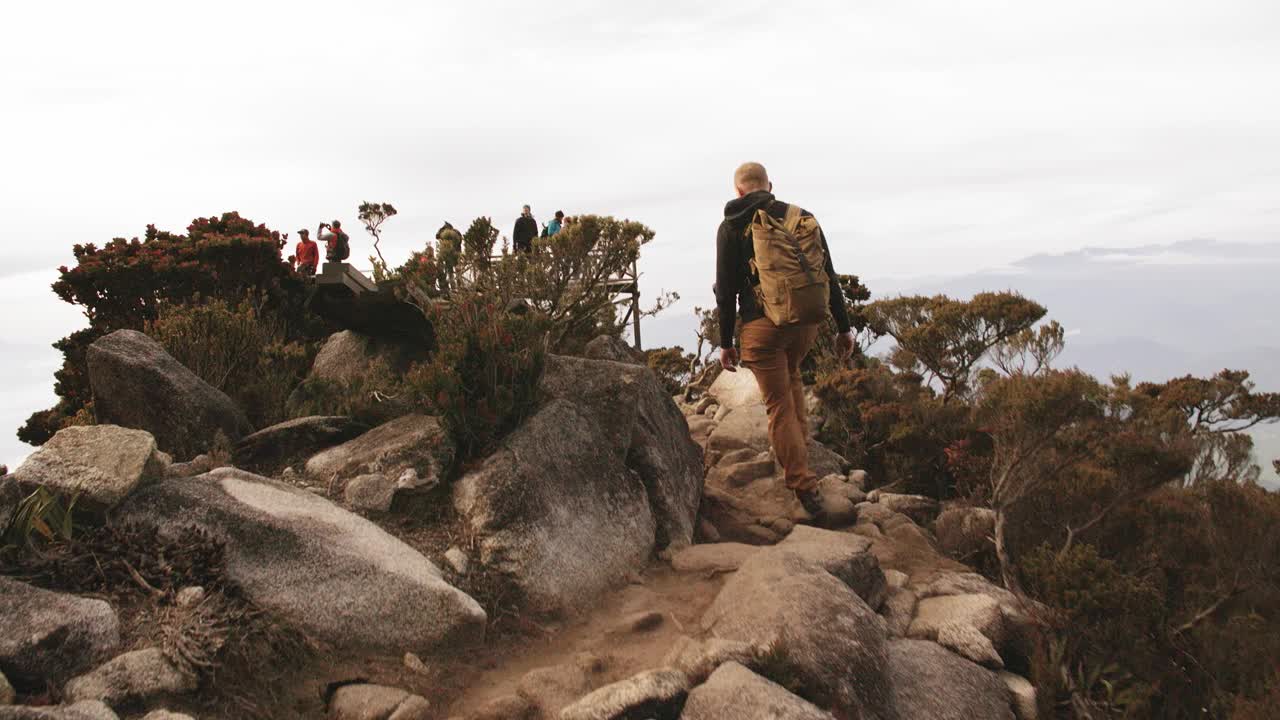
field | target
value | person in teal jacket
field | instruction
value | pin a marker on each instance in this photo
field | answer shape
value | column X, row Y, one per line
column 553, row 227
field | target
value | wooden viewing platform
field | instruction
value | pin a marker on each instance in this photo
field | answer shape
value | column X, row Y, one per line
column 347, row 297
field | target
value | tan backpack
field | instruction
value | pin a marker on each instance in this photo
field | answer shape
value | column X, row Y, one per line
column 791, row 265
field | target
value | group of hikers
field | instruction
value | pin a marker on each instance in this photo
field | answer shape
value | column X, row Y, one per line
column 773, row 274
column 306, row 256
column 526, row 228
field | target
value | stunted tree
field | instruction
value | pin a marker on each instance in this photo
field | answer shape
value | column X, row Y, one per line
column 1064, row 434
column 1218, row 410
column 373, row 215
column 947, row 338
column 1031, row 351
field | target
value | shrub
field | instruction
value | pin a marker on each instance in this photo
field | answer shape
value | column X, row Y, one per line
column 126, row 283
column 482, row 380
column 240, row 349
column 672, row 366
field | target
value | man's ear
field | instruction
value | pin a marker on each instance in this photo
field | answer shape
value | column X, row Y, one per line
column 739, row 190
column 770, row 186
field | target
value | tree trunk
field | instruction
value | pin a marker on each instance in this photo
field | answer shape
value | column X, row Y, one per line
column 1002, row 554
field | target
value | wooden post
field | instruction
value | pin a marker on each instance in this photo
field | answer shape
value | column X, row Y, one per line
column 635, row 304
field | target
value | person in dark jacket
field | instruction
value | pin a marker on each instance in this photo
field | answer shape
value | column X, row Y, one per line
column 525, row 231
column 772, row 353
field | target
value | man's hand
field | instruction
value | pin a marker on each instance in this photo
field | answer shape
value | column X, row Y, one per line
column 844, row 344
column 729, row 359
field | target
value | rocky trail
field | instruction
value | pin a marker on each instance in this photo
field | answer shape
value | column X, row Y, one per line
column 623, row 554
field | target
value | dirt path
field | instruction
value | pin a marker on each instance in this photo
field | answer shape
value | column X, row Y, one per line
column 605, row 633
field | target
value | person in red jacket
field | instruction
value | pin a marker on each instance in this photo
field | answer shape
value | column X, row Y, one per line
column 307, row 254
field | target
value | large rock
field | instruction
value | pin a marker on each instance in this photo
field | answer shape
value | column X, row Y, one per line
column 844, row 555
column 138, row 385
column 733, row 691
column 928, row 681
column 814, row 625
column 654, row 694
column 100, row 463
column 646, row 429
column 331, row 573
column 971, row 625
column 349, row 356
column 966, row 533
column 351, row 361
column 736, row 389
column 556, row 511
column 412, row 442
column 88, row 710
column 49, row 637
column 286, row 443
column 745, row 427
column 920, row 509
column 713, row 557
column 550, row 689
column 134, row 676
column 824, row 461
column 10, row 497
column 699, row 658
column 609, row 347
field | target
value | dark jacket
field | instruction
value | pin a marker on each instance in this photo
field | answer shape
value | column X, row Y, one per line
column 735, row 295
column 526, row 230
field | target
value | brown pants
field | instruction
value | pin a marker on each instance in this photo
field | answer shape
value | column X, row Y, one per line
column 773, row 355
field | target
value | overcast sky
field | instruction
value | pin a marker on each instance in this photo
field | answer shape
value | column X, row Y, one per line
column 930, row 137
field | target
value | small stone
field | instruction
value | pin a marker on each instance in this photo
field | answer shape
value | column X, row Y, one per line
column 166, row 715
column 414, row 663
column 858, row 479
column 707, row 532
column 895, row 579
column 7, row 696
column 711, row 411
column 873, row 496
column 288, row 473
column 136, row 675
column 190, row 596
column 658, row 693
column 372, row 492
column 457, row 560
column 703, row 403
column 1024, row 696
column 782, row 526
column 410, row 480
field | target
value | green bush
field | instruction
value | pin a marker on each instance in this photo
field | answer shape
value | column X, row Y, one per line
column 374, row 396
column 127, row 283
column 240, row 349
column 483, row 378
column 672, row 366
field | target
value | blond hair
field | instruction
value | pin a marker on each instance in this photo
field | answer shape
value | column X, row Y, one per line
column 751, row 176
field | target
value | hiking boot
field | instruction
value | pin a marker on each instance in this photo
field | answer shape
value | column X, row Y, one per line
column 811, row 500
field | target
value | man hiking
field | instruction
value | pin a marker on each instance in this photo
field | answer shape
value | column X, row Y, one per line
column 450, row 242
column 525, row 231
column 337, row 245
column 773, row 269
column 306, row 254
